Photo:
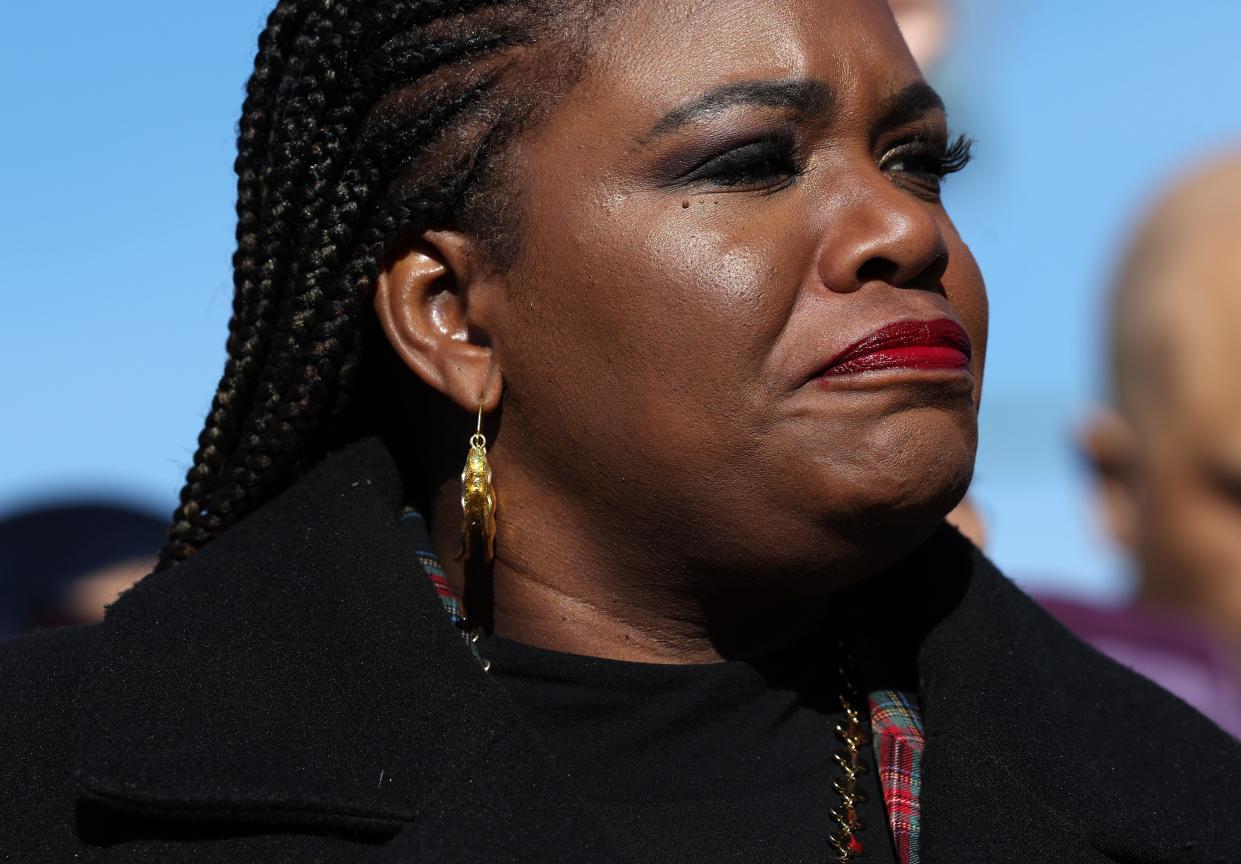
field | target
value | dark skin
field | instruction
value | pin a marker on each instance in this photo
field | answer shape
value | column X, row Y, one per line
column 675, row 483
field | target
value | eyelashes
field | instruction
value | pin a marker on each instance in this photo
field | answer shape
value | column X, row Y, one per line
column 762, row 164
column 773, row 162
column 957, row 155
column 927, row 161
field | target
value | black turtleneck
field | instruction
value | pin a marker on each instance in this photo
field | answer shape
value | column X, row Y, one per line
column 705, row 763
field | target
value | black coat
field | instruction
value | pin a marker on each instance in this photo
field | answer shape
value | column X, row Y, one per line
column 294, row 692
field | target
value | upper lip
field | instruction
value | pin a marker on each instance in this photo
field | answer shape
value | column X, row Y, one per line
column 904, row 334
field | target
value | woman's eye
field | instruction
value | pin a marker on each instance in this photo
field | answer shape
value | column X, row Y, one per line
column 757, row 165
column 927, row 163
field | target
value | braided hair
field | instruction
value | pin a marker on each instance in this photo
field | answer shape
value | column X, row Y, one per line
column 365, row 122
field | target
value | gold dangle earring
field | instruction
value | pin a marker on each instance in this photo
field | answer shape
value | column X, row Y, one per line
column 478, row 498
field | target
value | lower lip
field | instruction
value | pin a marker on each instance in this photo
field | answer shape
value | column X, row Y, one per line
column 916, row 357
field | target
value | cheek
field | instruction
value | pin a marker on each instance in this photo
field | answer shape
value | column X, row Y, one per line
column 966, row 290
column 1207, row 532
column 719, row 302
column 637, row 374
column 669, row 306
column 1186, row 528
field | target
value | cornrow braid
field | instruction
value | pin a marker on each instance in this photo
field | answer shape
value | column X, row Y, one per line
column 364, row 123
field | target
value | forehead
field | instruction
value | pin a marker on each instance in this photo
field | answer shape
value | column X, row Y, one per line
column 660, row 53
column 1192, row 329
column 1206, row 321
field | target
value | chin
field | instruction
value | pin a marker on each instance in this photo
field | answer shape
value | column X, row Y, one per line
column 893, row 506
column 810, row 519
column 843, row 539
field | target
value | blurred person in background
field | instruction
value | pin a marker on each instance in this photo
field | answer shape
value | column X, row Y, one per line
column 927, row 28
column 62, row 563
column 1166, row 454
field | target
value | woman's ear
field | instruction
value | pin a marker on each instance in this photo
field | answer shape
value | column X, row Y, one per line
column 431, row 298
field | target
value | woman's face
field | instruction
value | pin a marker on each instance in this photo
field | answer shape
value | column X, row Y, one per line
column 735, row 193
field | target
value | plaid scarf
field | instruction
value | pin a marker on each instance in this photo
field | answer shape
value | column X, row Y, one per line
column 896, row 725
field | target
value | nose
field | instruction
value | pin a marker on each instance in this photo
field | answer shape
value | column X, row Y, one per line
column 882, row 233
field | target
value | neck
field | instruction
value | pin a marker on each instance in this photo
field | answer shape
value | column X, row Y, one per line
column 557, row 585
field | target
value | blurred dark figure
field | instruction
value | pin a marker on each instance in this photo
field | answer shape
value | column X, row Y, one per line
column 1167, row 454
column 62, row 563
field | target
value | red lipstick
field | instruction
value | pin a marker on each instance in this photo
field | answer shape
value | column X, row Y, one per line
column 941, row 344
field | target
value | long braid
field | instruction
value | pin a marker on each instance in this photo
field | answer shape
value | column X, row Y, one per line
column 364, row 123
column 254, row 269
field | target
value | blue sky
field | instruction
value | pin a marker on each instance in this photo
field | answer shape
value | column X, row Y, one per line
column 117, row 231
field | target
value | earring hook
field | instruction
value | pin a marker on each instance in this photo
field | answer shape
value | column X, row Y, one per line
column 478, row 439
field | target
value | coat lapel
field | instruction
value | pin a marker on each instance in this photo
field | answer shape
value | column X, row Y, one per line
column 1038, row 748
column 313, row 680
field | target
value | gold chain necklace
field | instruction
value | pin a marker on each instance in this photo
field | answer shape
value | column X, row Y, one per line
column 853, row 736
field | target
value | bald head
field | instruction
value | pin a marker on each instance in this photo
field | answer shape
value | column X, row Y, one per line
column 1168, row 458
column 1176, row 311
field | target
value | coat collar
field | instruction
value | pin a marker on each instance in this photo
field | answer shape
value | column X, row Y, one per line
column 397, row 723
column 228, row 648
column 1038, row 748
column 946, row 603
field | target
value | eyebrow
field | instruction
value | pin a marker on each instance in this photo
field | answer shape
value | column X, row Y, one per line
column 804, row 95
column 908, row 105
